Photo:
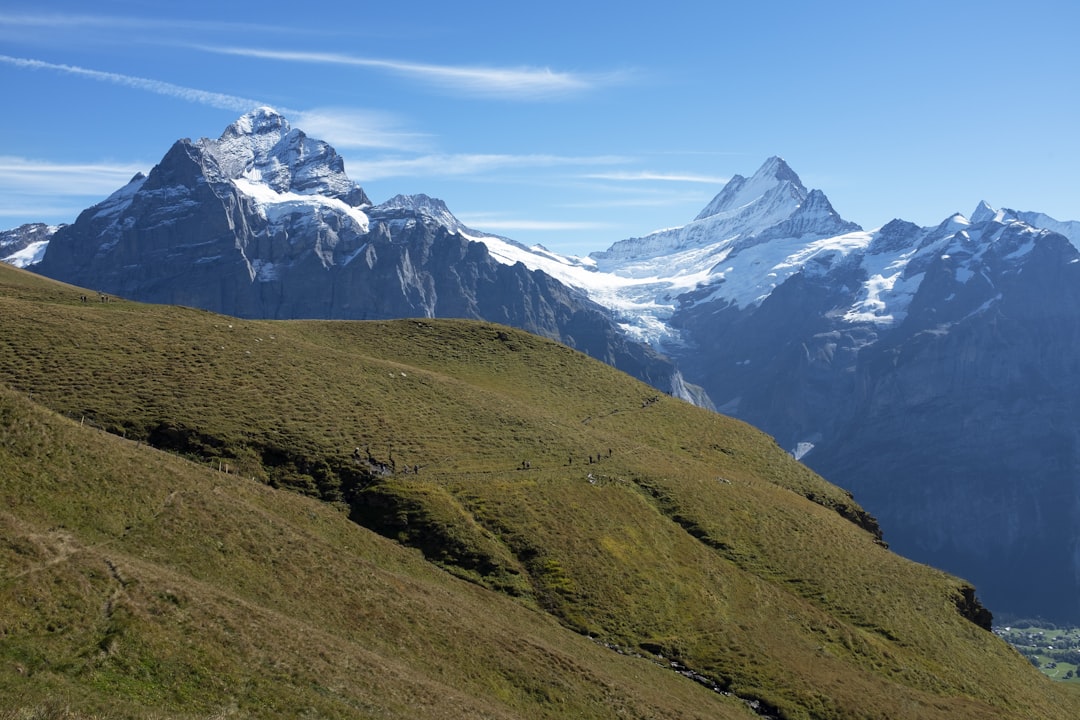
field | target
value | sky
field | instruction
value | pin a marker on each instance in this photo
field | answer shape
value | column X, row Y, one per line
column 567, row 124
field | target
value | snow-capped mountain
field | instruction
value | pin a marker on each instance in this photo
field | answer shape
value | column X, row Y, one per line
column 263, row 222
column 767, row 218
column 261, row 150
column 268, row 185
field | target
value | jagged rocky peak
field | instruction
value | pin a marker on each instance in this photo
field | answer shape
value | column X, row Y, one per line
column 983, row 213
column 951, row 225
column 772, row 203
column 814, row 217
column 262, row 147
column 416, row 203
column 774, row 176
column 249, row 143
column 409, row 206
column 260, row 121
column 895, row 237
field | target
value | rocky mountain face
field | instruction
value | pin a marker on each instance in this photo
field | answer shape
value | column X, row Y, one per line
column 264, row 223
column 962, row 424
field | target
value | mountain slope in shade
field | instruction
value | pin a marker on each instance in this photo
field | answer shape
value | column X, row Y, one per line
column 931, row 371
column 264, row 223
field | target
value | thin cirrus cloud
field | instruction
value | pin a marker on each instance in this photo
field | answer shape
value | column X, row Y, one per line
column 645, row 176
column 469, row 164
column 521, row 83
column 25, row 176
column 351, row 128
column 345, row 128
column 43, row 189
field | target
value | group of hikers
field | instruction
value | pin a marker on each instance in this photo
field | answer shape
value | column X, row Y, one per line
column 379, row 467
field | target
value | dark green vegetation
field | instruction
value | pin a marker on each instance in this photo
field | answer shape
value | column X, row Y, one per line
column 506, row 568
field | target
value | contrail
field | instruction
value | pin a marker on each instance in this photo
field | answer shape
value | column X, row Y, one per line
column 203, row 97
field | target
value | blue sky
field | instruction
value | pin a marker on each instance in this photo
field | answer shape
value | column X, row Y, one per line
column 569, row 124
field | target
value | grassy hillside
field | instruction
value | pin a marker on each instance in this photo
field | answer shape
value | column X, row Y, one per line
column 551, row 537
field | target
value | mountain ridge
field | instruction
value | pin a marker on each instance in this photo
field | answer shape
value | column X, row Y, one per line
column 263, row 222
column 769, row 306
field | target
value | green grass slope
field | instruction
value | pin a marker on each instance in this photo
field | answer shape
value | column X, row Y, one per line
column 136, row 584
column 573, row 510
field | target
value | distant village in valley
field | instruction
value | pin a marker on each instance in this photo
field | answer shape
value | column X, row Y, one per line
column 1053, row 650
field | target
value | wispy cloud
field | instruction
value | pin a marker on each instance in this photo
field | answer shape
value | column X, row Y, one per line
column 43, row 212
column 55, row 21
column 469, row 164
column 44, row 191
column 640, row 200
column 518, row 83
column 351, row 128
column 645, row 176
column 26, row 176
column 203, row 97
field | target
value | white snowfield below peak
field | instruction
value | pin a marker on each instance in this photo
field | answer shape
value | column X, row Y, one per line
column 281, row 207
column 28, row 255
